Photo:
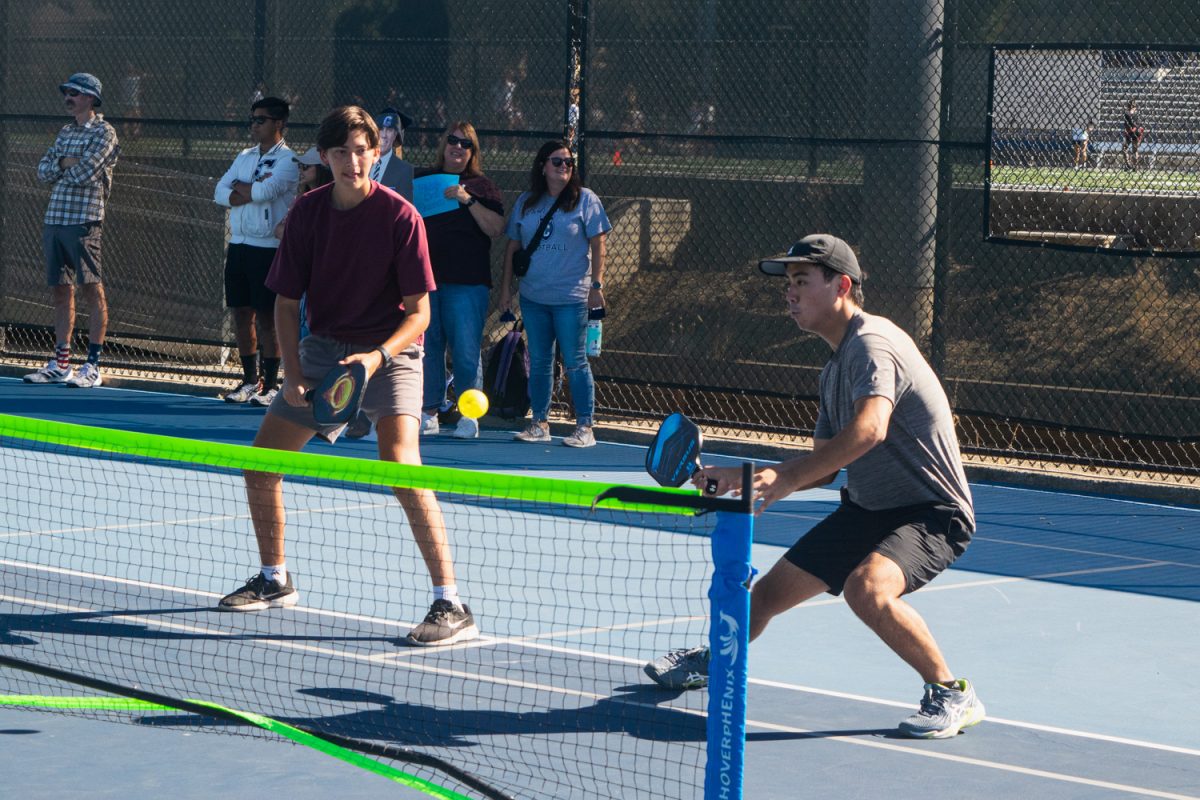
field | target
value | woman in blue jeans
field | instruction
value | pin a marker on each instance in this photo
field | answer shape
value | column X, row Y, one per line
column 460, row 244
column 565, row 279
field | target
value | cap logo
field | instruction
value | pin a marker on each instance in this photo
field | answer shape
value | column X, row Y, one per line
column 389, row 121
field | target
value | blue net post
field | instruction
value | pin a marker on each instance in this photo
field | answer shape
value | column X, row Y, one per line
column 728, row 640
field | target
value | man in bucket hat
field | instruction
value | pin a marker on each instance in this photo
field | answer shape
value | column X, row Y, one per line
column 79, row 168
column 906, row 511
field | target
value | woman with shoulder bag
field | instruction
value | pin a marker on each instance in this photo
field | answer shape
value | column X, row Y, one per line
column 556, row 247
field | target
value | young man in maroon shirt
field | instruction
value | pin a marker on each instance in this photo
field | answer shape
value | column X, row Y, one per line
column 359, row 252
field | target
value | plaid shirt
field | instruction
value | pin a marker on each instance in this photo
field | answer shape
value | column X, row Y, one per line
column 81, row 190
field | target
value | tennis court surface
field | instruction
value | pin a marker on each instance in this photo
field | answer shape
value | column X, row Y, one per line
column 1073, row 615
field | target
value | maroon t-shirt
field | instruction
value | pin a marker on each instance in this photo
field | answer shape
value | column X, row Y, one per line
column 459, row 250
column 356, row 266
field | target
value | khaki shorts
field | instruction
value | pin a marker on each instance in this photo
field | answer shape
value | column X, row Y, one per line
column 391, row 391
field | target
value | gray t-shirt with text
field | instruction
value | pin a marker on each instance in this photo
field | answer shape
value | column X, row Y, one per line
column 918, row 461
column 560, row 270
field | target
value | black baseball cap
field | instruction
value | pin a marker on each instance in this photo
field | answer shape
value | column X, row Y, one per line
column 817, row 248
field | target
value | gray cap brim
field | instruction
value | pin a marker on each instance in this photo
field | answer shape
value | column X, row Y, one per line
column 778, row 266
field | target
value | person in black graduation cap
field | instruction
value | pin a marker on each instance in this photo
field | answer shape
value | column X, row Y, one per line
column 391, row 170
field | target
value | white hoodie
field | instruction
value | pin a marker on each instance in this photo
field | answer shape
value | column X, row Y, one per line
column 273, row 177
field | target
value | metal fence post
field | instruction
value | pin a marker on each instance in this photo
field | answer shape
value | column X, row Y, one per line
column 900, row 178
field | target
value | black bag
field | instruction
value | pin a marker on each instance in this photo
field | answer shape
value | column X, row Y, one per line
column 522, row 257
column 506, row 378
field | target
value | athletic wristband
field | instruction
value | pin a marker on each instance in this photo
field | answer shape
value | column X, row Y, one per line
column 470, row 202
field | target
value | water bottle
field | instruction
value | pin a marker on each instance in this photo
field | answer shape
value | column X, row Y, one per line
column 595, row 331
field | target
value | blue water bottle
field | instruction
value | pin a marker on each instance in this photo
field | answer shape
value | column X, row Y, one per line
column 595, row 331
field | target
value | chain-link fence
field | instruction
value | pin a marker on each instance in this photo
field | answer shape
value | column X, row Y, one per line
column 715, row 133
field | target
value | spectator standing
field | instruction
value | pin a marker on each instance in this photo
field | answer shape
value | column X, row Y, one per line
column 1079, row 138
column 258, row 188
column 1133, row 135
column 79, row 167
column 460, row 244
column 565, row 279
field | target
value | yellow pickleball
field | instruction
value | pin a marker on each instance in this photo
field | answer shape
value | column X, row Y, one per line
column 472, row 403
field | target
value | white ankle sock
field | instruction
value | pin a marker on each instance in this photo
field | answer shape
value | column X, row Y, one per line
column 448, row 592
column 277, row 573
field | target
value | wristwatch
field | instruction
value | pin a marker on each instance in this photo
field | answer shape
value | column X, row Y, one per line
column 597, row 285
column 470, row 202
column 387, row 357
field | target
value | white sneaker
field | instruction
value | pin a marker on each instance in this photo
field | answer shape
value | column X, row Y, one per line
column 49, row 374
column 429, row 424
column 264, row 398
column 86, row 377
column 467, row 429
column 243, row 393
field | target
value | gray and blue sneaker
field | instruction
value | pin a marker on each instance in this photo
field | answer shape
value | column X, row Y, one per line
column 945, row 710
column 681, row 669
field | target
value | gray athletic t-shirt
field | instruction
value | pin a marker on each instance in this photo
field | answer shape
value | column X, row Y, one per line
column 560, row 271
column 918, row 461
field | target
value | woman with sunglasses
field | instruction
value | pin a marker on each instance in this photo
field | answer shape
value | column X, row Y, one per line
column 564, row 280
column 460, row 244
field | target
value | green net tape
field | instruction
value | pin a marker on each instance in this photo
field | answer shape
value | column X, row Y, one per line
column 341, row 468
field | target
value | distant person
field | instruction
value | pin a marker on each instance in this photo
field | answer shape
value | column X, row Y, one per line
column 906, row 511
column 460, row 246
column 258, row 188
column 391, row 170
column 131, row 95
column 358, row 251
column 79, row 167
column 565, row 280
column 1133, row 135
column 1079, row 139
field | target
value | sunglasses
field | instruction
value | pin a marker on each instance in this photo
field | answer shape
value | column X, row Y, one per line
column 71, row 93
column 262, row 120
column 558, row 162
column 454, row 141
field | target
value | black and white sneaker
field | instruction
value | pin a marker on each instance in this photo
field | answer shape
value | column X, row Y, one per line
column 681, row 669
column 259, row 594
column 445, row 623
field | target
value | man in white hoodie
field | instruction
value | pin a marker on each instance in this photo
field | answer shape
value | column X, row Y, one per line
column 258, row 189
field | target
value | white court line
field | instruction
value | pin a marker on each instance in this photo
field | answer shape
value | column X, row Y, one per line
column 909, row 750
column 299, row 512
column 398, row 660
column 1079, row 551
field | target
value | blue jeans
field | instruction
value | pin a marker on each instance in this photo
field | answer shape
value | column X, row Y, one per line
column 568, row 325
column 456, row 315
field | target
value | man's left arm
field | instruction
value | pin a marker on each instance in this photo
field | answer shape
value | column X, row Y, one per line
column 100, row 151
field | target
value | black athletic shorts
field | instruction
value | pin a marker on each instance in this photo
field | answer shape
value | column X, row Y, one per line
column 922, row 539
column 246, row 268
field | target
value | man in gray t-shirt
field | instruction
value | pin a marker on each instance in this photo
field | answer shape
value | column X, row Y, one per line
column 906, row 511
